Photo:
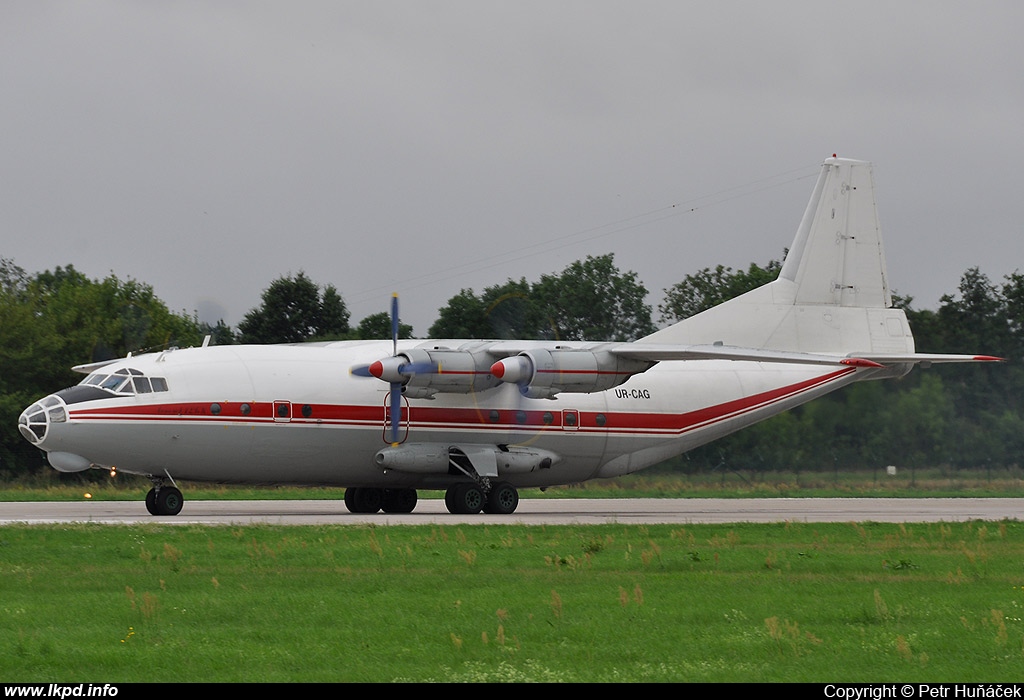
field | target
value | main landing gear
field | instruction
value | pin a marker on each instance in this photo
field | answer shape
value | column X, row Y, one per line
column 462, row 499
column 469, row 499
column 370, row 500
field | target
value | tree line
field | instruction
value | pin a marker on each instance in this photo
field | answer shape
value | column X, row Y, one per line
column 960, row 416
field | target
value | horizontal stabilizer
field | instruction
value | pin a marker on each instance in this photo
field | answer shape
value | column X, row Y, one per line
column 663, row 353
column 924, row 358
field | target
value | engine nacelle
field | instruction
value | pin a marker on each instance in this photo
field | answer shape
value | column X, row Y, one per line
column 544, row 373
column 417, row 458
column 452, row 371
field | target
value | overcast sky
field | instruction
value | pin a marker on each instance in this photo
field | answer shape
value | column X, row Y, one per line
column 207, row 148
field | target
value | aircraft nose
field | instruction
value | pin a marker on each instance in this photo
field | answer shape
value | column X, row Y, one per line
column 35, row 421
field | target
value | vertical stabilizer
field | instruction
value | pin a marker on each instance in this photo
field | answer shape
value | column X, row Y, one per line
column 832, row 294
column 837, row 256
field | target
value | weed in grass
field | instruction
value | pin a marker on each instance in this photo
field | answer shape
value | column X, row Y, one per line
column 556, row 604
column 999, row 622
column 172, row 556
column 881, row 609
column 653, row 553
column 903, row 647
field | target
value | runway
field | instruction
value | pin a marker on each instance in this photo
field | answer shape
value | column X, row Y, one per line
column 563, row 511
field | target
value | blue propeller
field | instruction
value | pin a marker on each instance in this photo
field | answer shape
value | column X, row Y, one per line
column 396, row 370
column 396, row 386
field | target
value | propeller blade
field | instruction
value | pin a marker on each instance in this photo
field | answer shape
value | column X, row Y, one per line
column 360, row 371
column 396, row 410
column 394, row 323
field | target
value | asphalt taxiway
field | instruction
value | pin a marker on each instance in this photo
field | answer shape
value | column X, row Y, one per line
column 541, row 511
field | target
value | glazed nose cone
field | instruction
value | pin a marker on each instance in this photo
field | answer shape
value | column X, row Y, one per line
column 35, row 421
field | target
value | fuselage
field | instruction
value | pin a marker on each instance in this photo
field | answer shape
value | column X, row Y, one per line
column 295, row 414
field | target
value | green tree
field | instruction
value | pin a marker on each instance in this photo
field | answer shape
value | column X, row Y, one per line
column 592, row 300
column 378, row 327
column 465, row 316
column 1013, row 297
column 292, row 311
column 504, row 311
column 589, row 300
column 61, row 318
column 220, row 334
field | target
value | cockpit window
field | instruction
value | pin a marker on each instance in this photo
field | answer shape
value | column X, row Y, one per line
column 114, row 383
column 126, row 382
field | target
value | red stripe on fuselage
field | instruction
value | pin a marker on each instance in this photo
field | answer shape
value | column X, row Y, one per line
column 428, row 417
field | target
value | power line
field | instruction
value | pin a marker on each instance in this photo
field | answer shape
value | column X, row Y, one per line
column 635, row 221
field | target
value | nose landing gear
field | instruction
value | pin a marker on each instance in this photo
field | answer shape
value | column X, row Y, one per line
column 164, row 500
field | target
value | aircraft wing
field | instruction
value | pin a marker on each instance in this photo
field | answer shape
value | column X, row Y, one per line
column 662, row 353
column 543, row 369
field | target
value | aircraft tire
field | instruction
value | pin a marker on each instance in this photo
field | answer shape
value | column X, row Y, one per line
column 363, row 500
column 399, row 500
column 464, row 499
column 151, row 502
column 502, row 500
column 167, row 501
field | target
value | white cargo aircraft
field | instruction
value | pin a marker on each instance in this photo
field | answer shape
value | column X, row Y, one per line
column 482, row 419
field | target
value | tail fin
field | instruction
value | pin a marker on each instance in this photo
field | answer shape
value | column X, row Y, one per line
column 837, row 256
column 832, row 294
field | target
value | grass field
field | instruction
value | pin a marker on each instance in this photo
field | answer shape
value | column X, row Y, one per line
column 611, row 603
